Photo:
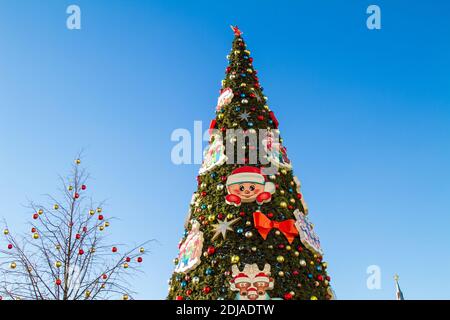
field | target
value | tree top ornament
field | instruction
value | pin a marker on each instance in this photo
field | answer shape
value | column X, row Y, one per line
column 236, row 31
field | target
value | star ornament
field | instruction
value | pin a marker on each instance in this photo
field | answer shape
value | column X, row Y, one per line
column 236, row 31
column 222, row 227
column 244, row 116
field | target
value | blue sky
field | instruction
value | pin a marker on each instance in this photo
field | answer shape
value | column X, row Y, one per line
column 365, row 116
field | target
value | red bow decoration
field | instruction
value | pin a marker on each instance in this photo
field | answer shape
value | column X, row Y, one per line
column 264, row 225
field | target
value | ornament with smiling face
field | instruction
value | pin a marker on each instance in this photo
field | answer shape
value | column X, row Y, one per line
column 246, row 185
column 252, row 283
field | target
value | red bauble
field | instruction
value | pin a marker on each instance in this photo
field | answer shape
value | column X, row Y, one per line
column 206, row 290
column 76, row 195
column 204, row 193
column 299, row 249
column 288, row 296
column 139, row 259
column 83, row 187
column 242, row 214
column 188, row 292
column 270, row 215
column 35, row 216
column 104, row 277
column 281, row 246
column 100, row 217
column 33, row 230
column 85, row 229
column 211, row 250
column 260, row 118
column 58, row 282
column 320, row 277
column 328, row 278
column 81, row 252
column 114, row 249
column 10, row 246
column 179, row 298
column 224, row 178
column 295, row 272
column 78, row 236
column 220, row 216
column 127, row 259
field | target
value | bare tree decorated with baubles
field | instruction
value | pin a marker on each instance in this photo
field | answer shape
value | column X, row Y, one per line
column 65, row 256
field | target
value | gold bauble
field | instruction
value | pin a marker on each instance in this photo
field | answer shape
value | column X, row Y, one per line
column 317, row 283
column 230, row 216
column 142, row 250
column 281, row 274
column 235, row 259
column 314, row 298
column 70, row 188
column 87, row 293
column 101, row 228
column 280, row 259
column 270, row 246
column 13, row 265
column 292, row 183
column 284, row 171
column 91, row 212
column 296, row 253
column 220, row 116
column 92, row 250
column 254, row 249
column 248, row 223
column 292, row 200
column 58, row 247
column 78, row 161
column 56, row 207
column 278, row 233
column 99, row 210
column 40, row 211
column 283, row 205
column 243, row 84
column 282, row 192
column 248, row 234
column 58, row 264
column 125, row 297
column 6, row 232
column 125, row 265
column 288, row 248
column 325, row 265
column 35, row 236
column 106, row 224
column 311, row 262
column 303, row 263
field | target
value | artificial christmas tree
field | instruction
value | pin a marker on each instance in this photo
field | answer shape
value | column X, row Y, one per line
column 248, row 236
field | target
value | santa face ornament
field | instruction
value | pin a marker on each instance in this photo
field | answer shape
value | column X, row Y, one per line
column 247, row 185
